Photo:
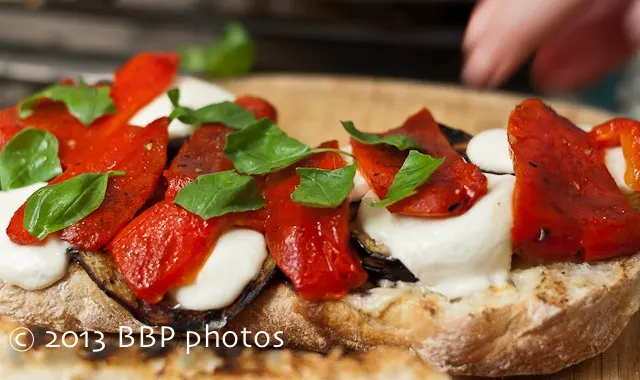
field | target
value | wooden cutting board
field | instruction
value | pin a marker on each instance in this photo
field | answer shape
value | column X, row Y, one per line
column 310, row 108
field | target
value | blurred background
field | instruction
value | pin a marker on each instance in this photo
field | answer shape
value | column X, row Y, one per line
column 40, row 41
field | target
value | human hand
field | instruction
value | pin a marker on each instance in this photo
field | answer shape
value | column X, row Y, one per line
column 575, row 42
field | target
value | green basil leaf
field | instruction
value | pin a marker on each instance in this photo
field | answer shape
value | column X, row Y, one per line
column 30, row 157
column 231, row 55
column 55, row 207
column 84, row 102
column 399, row 141
column 227, row 113
column 262, row 147
column 324, row 188
column 174, row 97
column 212, row 195
column 414, row 172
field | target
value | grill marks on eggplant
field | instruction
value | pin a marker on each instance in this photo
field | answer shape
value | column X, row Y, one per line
column 103, row 270
column 376, row 259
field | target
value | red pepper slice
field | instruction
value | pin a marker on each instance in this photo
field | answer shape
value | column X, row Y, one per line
column 311, row 245
column 565, row 201
column 9, row 125
column 202, row 154
column 73, row 137
column 626, row 133
column 205, row 150
column 165, row 246
column 141, row 153
column 260, row 107
column 451, row 190
column 139, row 81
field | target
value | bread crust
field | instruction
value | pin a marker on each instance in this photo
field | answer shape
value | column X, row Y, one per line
column 549, row 318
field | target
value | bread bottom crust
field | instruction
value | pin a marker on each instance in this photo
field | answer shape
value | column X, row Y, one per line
column 550, row 317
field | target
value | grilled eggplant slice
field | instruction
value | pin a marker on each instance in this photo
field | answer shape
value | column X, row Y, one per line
column 375, row 259
column 457, row 138
column 104, row 272
column 377, row 262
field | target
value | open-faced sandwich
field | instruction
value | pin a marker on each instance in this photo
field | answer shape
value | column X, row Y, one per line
column 158, row 200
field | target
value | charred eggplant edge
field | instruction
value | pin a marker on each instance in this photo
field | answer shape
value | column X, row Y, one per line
column 102, row 269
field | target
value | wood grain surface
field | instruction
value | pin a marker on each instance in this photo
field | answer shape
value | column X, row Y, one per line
column 310, row 108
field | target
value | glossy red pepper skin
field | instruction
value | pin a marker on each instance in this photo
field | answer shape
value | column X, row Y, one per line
column 202, row 154
column 626, row 133
column 140, row 80
column 73, row 137
column 141, row 153
column 451, row 190
column 565, row 201
column 204, row 151
column 311, row 245
column 165, row 246
column 9, row 125
column 261, row 108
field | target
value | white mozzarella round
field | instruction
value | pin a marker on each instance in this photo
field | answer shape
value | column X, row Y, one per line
column 453, row 256
column 194, row 93
column 490, row 151
column 29, row 267
column 236, row 260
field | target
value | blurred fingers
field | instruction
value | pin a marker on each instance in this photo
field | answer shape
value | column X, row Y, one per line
column 588, row 49
column 503, row 33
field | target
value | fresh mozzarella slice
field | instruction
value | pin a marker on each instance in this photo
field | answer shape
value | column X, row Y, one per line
column 29, row 267
column 490, row 151
column 453, row 256
column 194, row 93
column 234, row 262
column 360, row 185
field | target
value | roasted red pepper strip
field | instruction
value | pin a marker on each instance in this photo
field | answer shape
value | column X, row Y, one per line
column 565, row 201
column 73, row 137
column 138, row 82
column 9, row 125
column 451, row 190
column 260, row 107
column 202, row 154
column 311, row 245
column 205, row 150
column 141, row 153
column 626, row 133
column 165, row 246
